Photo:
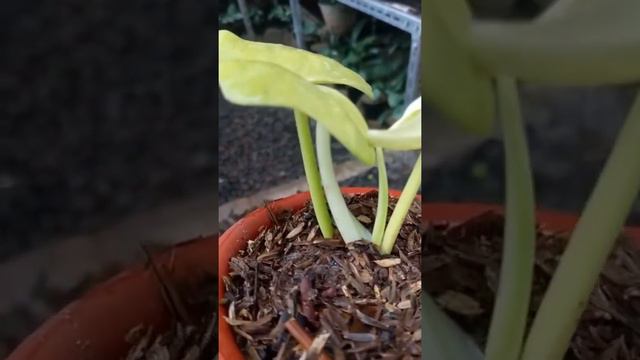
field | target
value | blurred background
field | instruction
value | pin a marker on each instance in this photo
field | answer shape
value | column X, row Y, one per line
column 570, row 131
column 107, row 142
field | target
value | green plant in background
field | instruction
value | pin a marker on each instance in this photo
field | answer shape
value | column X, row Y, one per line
column 260, row 74
column 380, row 56
column 472, row 65
column 231, row 18
column 276, row 14
column 280, row 13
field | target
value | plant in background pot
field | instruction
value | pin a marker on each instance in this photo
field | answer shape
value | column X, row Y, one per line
column 230, row 16
column 379, row 53
column 471, row 65
column 287, row 277
column 338, row 18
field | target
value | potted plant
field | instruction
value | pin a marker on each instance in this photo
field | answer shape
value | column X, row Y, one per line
column 470, row 66
column 151, row 301
column 338, row 18
column 314, row 288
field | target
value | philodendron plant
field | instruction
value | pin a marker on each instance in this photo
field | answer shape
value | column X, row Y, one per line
column 261, row 74
column 472, row 65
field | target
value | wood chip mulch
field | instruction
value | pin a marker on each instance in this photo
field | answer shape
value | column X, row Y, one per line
column 292, row 294
column 461, row 267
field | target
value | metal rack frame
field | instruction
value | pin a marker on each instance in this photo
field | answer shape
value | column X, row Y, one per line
column 242, row 4
column 384, row 11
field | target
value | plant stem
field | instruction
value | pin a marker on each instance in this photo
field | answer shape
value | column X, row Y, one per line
column 313, row 176
column 589, row 246
column 516, row 273
column 402, row 207
column 383, row 200
column 350, row 228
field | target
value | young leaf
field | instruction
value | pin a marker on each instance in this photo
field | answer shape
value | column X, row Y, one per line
column 404, row 134
column 453, row 82
column 265, row 84
column 594, row 42
column 312, row 67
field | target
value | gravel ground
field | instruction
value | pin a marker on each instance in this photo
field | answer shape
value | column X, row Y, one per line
column 258, row 149
column 107, row 107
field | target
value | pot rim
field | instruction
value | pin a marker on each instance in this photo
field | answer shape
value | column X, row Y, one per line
column 560, row 221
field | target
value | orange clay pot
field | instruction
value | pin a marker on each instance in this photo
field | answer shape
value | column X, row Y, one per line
column 94, row 327
column 236, row 238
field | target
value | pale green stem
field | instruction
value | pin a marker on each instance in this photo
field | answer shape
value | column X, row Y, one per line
column 350, row 228
column 589, row 246
column 399, row 213
column 510, row 310
column 312, row 174
column 383, row 200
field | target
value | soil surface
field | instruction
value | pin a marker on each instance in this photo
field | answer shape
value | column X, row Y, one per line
column 462, row 263
column 293, row 292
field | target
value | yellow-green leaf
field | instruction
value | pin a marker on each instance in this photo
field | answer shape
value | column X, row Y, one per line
column 453, row 83
column 595, row 42
column 404, row 134
column 266, row 84
column 312, row 67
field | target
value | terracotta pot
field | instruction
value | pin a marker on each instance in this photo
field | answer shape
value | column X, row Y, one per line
column 338, row 18
column 94, row 327
column 236, row 238
column 247, row 228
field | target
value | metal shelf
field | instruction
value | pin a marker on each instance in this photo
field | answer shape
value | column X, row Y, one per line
column 388, row 13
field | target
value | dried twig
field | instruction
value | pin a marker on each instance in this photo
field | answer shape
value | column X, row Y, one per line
column 169, row 293
column 302, row 336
